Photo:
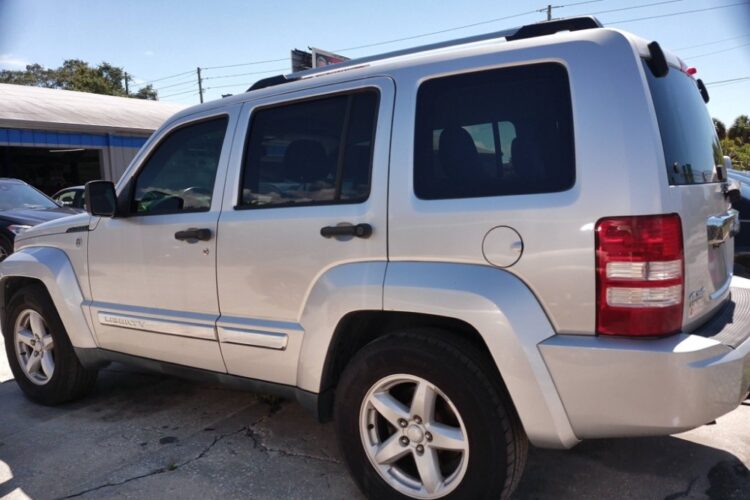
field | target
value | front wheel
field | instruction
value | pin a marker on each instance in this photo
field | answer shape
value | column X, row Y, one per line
column 39, row 352
column 419, row 416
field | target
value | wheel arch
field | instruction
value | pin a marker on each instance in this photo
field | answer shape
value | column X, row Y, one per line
column 51, row 268
column 359, row 328
column 490, row 307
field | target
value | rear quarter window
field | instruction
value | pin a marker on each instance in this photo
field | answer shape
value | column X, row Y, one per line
column 499, row 132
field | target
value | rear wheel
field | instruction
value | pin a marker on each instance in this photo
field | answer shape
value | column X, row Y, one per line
column 418, row 416
column 39, row 352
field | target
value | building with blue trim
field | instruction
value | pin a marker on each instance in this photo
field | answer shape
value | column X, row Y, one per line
column 54, row 138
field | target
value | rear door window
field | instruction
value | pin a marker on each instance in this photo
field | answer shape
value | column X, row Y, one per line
column 311, row 152
column 492, row 133
column 691, row 146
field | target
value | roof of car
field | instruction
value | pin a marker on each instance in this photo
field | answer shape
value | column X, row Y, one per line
column 390, row 63
column 9, row 180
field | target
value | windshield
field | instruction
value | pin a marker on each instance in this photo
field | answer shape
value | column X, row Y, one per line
column 691, row 146
column 14, row 195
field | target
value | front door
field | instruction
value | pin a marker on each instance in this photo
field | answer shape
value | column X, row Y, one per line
column 153, row 272
column 309, row 195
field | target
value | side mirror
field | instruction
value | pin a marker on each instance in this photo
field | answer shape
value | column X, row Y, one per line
column 101, row 199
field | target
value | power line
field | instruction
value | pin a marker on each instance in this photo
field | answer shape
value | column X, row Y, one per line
column 246, row 64
column 422, row 35
column 191, row 81
column 446, row 30
column 714, row 42
column 191, row 91
column 636, row 7
column 549, row 7
column 245, row 74
column 165, row 78
column 718, row 51
column 376, row 44
column 730, row 81
column 677, row 13
column 402, row 39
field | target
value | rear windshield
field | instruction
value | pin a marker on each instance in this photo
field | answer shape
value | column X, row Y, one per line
column 691, row 146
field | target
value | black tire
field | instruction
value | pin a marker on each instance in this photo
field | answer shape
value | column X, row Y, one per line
column 497, row 443
column 69, row 380
column 6, row 248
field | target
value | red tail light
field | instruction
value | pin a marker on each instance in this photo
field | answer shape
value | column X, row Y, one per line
column 640, row 275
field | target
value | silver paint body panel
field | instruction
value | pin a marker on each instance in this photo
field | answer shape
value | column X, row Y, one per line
column 263, row 298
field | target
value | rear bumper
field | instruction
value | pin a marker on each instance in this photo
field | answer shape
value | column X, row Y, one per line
column 612, row 387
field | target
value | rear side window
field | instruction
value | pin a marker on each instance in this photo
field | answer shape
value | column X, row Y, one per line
column 493, row 133
column 311, row 152
column 691, row 146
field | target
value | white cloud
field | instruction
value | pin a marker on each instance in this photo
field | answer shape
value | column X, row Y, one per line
column 149, row 53
column 9, row 61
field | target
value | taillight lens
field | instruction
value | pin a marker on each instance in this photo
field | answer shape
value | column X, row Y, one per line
column 640, row 275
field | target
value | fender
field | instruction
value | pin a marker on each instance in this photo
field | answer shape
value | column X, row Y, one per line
column 510, row 320
column 338, row 291
column 52, row 267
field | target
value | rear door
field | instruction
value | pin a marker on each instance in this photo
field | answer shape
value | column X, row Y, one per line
column 314, row 168
column 691, row 155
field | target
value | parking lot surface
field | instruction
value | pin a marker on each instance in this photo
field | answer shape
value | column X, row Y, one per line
column 142, row 435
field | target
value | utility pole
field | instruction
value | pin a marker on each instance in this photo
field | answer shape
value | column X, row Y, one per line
column 200, row 85
column 549, row 12
column 127, row 89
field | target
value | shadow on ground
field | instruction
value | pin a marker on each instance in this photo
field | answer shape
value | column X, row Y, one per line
column 148, row 436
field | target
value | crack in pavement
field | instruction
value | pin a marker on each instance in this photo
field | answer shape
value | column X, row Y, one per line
column 249, row 430
column 682, row 494
column 160, row 470
column 258, row 444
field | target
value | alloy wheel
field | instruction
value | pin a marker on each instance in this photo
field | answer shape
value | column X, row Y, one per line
column 34, row 347
column 414, row 436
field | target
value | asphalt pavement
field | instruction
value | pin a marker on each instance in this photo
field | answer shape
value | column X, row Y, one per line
column 142, row 435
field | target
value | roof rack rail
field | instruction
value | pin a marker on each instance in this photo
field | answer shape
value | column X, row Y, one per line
column 271, row 81
column 527, row 31
column 555, row 26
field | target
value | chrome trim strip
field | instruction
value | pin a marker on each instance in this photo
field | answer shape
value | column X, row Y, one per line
column 721, row 291
column 169, row 327
column 268, row 340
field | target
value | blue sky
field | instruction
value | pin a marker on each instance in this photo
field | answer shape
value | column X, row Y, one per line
column 154, row 39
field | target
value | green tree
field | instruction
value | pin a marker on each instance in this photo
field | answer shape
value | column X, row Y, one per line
column 721, row 129
column 75, row 74
column 740, row 129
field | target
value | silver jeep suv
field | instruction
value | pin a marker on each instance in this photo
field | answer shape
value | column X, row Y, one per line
column 452, row 251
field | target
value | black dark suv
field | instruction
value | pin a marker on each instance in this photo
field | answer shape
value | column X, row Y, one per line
column 21, row 207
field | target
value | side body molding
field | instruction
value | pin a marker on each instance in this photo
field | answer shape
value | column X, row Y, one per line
column 52, row 267
column 508, row 317
column 337, row 292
